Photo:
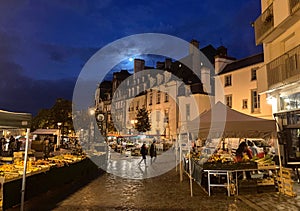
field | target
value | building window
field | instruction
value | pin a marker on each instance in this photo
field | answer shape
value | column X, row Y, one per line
column 245, row 104
column 158, row 97
column 253, row 74
column 228, row 100
column 150, row 115
column 166, row 97
column 150, row 98
column 188, row 112
column 157, row 118
column 255, row 101
column 157, row 115
column 166, row 120
column 228, row 80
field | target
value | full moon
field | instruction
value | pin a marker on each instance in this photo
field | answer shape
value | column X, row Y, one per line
column 130, row 59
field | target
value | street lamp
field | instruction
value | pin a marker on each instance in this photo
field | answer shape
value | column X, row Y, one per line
column 58, row 136
column 92, row 112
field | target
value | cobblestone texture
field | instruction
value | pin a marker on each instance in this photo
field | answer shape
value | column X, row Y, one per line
column 164, row 192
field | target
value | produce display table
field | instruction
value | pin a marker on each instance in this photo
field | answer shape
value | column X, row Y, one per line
column 227, row 175
column 40, row 181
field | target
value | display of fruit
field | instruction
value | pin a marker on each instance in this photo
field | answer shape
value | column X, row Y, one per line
column 265, row 160
column 245, row 158
column 7, row 168
column 217, row 158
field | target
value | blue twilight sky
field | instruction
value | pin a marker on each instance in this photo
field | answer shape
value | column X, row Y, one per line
column 44, row 44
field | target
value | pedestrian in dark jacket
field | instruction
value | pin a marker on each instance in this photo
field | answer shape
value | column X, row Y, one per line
column 153, row 151
column 46, row 149
column 143, row 153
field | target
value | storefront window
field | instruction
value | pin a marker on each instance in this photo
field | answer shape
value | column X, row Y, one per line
column 289, row 134
column 290, row 102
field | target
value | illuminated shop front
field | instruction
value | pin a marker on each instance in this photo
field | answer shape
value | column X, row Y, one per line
column 288, row 119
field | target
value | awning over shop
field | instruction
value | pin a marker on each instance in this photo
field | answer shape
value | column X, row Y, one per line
column 14, row 120
column 46, row 132
column 222, row 121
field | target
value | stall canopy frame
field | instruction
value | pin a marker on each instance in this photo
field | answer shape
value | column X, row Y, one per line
column 10, row 120
column 233, row 125
column 14, row 120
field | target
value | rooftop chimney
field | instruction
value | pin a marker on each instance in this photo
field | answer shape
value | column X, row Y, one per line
column 194, row 44
column 222, row 51
column 139, row 65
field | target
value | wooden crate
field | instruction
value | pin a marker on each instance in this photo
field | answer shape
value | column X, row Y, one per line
column 263, row 182
column 285, row 182
column 266, row 166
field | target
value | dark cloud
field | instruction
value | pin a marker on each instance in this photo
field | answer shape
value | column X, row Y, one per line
column 45, row 44
column 61, row 53
column 23, row 94
column 8, row 45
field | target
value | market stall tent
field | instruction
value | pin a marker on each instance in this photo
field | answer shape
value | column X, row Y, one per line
column 14, row 120
column 222, row 121
column 18, row 120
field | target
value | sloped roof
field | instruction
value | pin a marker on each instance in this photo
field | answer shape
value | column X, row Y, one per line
column 210, row 52
column 222, row 121
column 46, row 131
column 14, row 120
column 245, row 62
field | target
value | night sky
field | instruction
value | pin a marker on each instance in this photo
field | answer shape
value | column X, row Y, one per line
column 44, row 44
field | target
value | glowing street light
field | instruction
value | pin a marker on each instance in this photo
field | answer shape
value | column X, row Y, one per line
column 58, row 136
column 133, row 122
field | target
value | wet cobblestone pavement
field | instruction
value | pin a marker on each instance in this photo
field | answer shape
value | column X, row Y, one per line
column 109, row 192
column 164, row 192
column 273, row 200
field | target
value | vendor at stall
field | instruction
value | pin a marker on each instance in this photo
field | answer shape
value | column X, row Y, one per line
column 243, row 152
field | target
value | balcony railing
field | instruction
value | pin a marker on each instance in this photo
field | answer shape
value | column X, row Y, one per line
column 264, row 24
column 294, row 6
column 284, row 69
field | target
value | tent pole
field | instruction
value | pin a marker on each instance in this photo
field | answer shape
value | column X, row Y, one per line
column 24, row 169
column 279, row 158
column 176, row 155
column 180, row 160
column 190, row 165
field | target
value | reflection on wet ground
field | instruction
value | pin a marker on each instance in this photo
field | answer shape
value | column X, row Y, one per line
column 128, row 167
column 110, row 192
column 163, row 192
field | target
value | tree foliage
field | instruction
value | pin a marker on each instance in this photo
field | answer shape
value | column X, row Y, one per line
column 61, row 111
column 143, row 122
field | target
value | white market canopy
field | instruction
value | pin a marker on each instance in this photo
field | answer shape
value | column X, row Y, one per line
column 46, row 132
column 222, row 121
column 14, row 120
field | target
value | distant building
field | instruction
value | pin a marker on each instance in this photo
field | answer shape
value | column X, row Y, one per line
column 161, row 92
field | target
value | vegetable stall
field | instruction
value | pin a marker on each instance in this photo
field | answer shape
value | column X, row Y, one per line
column 219, row 168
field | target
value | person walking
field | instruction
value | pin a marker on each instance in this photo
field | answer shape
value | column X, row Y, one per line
column 153, row 151
column 143, row 152
column 46, row 149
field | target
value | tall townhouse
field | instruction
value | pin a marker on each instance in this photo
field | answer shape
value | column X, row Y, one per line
column 237, row 85
column 278, row 30
column 172, row 93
